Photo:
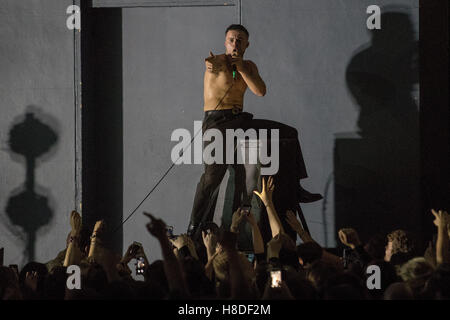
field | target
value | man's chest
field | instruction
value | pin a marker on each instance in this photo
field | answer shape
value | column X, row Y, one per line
column 223, row 78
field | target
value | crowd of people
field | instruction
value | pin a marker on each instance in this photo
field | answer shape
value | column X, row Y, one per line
column 213, row 268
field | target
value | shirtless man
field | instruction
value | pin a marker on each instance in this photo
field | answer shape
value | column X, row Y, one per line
column 219, row 74
column 226, row 79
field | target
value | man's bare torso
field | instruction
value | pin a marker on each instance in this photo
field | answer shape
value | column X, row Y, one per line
column 218, row 81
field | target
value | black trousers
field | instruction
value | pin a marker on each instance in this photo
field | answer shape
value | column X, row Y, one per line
column 292, row 167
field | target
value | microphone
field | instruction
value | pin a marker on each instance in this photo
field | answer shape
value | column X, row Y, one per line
column 234, row 66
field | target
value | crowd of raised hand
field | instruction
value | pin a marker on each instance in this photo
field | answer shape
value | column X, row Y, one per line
column 213, row 268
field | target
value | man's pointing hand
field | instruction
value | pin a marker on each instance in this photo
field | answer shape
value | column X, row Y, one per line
column 212, row 64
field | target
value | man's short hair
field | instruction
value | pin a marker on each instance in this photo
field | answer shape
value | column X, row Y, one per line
column 239, row 27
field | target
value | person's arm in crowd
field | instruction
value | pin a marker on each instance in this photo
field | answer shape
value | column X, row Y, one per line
column 240, row 288
column 122, row 266
column 172, row 267
column 210, row 243
column 349, row 237
column 441, row 221
column 306, row 237
column 101, row 255
column 297, row 227
column 209, row 267
column 266, row 197
column 93, row 248
column 141, row 253
column 273, row 250
column 236, row 219
column 73, row 252
column 278, row 293
column 184, row 246
column 135, row 250
column 258, row 242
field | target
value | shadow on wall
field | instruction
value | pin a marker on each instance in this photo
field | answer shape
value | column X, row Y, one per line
column 377, row 179
column 32, row 138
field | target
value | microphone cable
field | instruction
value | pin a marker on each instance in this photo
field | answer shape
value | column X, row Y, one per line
column 173, row 164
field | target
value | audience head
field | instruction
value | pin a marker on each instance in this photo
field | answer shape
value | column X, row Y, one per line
column 345, row 286
column 198, row 284
column 388, row 275
column 376, row 247
column 398, row 291
column 96, row 278
column 9, row 284
column 438, row 284
column 400, row 243
column 309, row 253
column 318, row 274
column 55, row 284
column 41, row 271
column 415, row 273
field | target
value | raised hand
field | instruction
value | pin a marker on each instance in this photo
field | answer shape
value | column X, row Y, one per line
column 131, row 252
column 180, row 241
column 31, row 280
column 442, row 221
column 349, row 237
column 156, row 227
column 212, row 63
column 278, row 293
column 210, row 241
column 267, row 190
column 250, row 218
column 236, row 219
column 238, row 62
column 442, row 218
column 75, row 223
column 98, row 227
column 184, row 240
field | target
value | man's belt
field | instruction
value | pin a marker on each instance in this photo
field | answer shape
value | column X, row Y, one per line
column 234, row 111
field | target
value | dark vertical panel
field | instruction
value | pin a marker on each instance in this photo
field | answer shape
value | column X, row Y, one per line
column 77, row 115
column 435, row 142
column 102, row 121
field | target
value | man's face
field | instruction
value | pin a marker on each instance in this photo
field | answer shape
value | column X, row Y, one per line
column 236, row 42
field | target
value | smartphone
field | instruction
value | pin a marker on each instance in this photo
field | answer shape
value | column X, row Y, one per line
column 250, row 257
column 275, row 276
column 169, row 232
column 246, row 209
column 210, row 227
column 140, row 265
column 135, row 247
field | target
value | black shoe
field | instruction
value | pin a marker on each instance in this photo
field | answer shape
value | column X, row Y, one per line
column 307, row 197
